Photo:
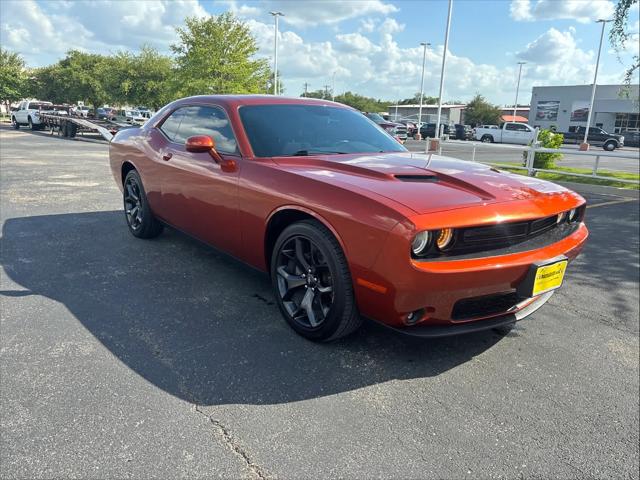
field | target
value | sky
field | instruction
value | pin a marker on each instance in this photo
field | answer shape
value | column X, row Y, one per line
column 371, row 47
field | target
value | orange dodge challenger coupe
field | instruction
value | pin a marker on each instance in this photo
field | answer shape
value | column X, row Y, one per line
column 346, row 221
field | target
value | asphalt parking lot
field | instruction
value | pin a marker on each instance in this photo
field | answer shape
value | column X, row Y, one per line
column 123, row 358
column 497, row 154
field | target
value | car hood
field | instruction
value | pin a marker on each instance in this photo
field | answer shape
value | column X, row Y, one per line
column 423, row 183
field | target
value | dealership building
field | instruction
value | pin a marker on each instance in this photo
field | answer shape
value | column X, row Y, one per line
column 615, row 107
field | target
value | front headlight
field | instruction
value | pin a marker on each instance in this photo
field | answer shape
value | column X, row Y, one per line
column 444, row 238
column 421, row 243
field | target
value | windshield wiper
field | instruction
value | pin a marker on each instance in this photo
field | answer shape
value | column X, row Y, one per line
column 304, row 153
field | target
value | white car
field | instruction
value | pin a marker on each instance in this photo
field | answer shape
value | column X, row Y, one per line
column 511, row 132
column 28, row 113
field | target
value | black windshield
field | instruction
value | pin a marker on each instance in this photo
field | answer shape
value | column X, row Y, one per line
column 290, row 130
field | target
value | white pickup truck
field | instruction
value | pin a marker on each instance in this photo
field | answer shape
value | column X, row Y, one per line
column 28, row 113
column 511, row 132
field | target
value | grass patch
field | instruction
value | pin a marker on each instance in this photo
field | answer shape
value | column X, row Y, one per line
column 586, row 171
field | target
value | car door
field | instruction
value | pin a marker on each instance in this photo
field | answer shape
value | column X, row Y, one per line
column 197, row 194
column 21, row 113
column 509, row 133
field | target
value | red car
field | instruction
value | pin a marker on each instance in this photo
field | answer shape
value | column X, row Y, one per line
column 346, row 221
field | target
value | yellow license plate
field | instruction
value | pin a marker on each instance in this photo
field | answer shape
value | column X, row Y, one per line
column 549, row 277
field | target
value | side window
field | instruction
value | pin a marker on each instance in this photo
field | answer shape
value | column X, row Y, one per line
column 511, row 126
column 211, row 121
column 171, row 125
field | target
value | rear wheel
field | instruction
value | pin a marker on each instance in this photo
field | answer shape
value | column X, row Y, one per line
column 486, row 139
column 609, row 146
column 312, row 283
column 140, row 219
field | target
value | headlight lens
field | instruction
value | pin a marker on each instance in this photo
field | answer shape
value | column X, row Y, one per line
column 562, row 217
column 420, row 243
column 574, row 213
column 444, row 238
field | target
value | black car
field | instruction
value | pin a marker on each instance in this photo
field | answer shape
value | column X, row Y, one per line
column 429, row 130
column 631, row 138
column 462, row 132
column 596, row 136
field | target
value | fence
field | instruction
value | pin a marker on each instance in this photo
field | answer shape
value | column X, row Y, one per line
column 531, row 151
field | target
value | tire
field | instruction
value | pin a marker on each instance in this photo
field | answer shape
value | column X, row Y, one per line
column 325, row 286
column 609, row 146
column 140, row 219
column 31, row 125
column 486, row 139
column 16, row 125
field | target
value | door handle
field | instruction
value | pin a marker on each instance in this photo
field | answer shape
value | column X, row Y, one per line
column 167, row 156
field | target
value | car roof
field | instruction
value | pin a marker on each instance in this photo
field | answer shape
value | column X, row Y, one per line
column 240, row 100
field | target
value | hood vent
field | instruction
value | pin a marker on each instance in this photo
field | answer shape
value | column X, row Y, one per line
column 417, row 178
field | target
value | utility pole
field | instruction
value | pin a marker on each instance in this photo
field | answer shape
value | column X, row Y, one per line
column 585, row 142
column 276, row 15
column 333, row 87
column 424, row 61
column 515, row 105
column 326, row 92
column 306, row 89
column 444, row 62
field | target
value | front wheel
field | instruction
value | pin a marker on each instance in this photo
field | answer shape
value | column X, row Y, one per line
column 312, row 283
column 140, row 219
column 15, row 124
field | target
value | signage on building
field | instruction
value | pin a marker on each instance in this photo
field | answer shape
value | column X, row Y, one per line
column 547, row 110
column 579, row 111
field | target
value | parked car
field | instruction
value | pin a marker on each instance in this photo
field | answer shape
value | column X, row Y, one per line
column 462, row 132
column 130, row 116
column 28, row 113
column 511, row 132
column 81, row 111
column 346, row 221
column 596, row 136
column 106, row 113
column 631, row 138
column 429, row 130
column 412, row 128
column 397, row 130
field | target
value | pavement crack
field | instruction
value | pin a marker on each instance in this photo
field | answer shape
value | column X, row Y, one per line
column 223, row 432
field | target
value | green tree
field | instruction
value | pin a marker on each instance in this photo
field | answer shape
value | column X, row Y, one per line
column 216, row 55
column 142, row 79
column 478, row 112
column 362, row 103
column 620, row 35
column 13, row 78
column 415, row 100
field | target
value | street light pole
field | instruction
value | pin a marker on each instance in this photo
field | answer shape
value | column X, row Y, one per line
column 515, row 105
column 585, row 143
column 424, row 61
column 276, row 15
column 333, row 87
column 444, row 62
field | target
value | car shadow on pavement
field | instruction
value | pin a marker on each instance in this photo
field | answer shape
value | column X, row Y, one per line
column 198, row 324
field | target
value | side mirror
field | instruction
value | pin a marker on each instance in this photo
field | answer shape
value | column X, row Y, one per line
column 203, row 143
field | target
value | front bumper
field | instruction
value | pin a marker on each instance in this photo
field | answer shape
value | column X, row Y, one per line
column 434, row 288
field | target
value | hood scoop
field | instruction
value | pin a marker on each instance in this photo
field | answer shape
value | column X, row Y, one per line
column 417, row 178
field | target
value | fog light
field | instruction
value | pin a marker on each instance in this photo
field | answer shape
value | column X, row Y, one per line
column 414, row 316
column 445, row 238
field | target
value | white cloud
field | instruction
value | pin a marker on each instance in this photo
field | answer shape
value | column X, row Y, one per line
column 310, row 13
column 580, row 10
column 39, row 30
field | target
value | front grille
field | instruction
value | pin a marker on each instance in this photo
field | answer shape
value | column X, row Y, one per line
column 486, row 306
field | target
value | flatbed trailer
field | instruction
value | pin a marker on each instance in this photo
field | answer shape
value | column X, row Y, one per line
column 70, row 125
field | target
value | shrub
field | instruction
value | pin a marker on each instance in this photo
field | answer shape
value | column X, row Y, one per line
column 547, row 139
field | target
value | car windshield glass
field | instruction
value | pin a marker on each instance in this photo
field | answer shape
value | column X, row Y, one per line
column 299, row 130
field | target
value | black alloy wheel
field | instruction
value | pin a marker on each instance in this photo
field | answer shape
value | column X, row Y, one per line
column 305, row 283
column 140, row 219
column 312, row 283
